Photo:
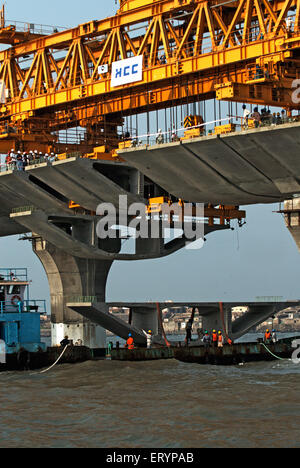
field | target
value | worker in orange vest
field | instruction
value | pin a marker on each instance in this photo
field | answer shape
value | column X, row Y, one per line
column 130, row 342
column 268, row 336
column 220, row 340
column 215, row 339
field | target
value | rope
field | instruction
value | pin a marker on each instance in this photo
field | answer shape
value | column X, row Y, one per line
column 162, row 325
column 277, row 357
column 56, row 362
column 223, row 321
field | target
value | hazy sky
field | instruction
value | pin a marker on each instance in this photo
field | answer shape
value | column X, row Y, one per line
column 260, row 259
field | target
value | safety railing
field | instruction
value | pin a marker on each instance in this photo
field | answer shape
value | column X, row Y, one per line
column 24, row 209
column 269, row 299
column 19, row 307
column 83, row 299
column 42, row 29
column 13, row 274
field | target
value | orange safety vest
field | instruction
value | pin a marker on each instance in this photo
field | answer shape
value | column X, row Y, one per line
column 130, row 343
column 220, row 338
column 215, row 337
column 268, row 336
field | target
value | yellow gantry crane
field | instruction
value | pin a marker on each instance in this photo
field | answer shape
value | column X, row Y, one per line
column 243, row 51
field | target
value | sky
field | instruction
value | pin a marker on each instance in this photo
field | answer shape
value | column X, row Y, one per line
column 261, row 259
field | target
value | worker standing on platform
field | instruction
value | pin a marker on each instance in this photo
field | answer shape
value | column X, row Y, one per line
column 215, row 339
column 268, row 337
column 149, row 338
column 206, row 340
column 274, row 336
column 188, row 329
column 220, row 340
column 130, row 343
column 65, row 341
column 245, row 117
column 256, row 117
column 160, row 138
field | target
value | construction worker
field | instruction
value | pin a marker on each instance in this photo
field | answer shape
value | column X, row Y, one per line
column 215, row 339
column 188, row 329
column 160, row 137
column 268, row 336
column 206, row 339
column 149, row 338
column 65, row 341
column 274, row 336
column 130, row 343
column 246, row 117
column 220, row 340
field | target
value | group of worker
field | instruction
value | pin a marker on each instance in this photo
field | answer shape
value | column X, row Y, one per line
column 263, row 117
column 215, row 339
column 18, row 160
column 130, row 341
column 270, row 337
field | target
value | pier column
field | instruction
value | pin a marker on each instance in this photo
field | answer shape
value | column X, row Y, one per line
column 292, row 218
column 145, row 318
column 214, row 320
column 69, row 278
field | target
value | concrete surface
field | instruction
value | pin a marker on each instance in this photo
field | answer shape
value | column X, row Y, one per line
column 254, row 166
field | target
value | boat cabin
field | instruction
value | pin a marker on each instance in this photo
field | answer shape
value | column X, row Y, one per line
column 19, row 316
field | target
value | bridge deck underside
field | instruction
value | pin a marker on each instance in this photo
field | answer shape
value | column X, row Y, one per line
column 254, row 166
column 50, row 187
column 257, row 313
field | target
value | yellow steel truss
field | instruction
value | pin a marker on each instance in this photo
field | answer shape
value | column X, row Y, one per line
column 192, row 49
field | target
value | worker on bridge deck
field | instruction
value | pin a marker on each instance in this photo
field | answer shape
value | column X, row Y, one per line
column 160, row 139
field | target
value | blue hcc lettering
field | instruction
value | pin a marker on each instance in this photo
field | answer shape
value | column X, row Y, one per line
column 127, row 71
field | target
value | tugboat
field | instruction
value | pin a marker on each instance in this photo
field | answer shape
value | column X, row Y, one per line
column 20, row 329
column 19, row 318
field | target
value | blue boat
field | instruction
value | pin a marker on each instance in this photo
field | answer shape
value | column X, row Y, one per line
column 19, row 315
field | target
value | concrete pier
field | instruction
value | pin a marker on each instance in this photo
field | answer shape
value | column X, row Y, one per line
column 292, row 218
column 70, row 277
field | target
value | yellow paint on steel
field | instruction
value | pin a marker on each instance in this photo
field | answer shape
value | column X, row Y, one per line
column 243, row 51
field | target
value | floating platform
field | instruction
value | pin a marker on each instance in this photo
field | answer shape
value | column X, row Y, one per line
column 228, row 355
column 141, row 354
column 25, row 360
column 236, row 354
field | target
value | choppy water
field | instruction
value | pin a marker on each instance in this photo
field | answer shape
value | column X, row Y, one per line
column 161, row 404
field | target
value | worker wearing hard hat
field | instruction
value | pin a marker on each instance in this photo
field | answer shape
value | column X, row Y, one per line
column 130, row 343
column 215, row 339
column 268, row 336
column 274, row 336
column 220, row 340
column 206, row 339
column 149, row 337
